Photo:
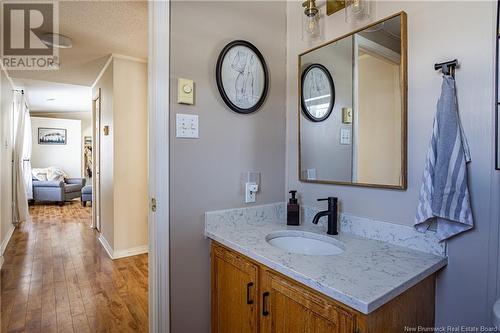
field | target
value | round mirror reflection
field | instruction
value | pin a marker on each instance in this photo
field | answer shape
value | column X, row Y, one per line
column 318, row 92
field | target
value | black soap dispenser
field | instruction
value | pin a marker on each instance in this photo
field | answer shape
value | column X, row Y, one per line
column 292, row 210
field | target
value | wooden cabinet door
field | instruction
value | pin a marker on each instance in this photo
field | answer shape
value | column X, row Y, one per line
column 234, row 292
column 290, row 308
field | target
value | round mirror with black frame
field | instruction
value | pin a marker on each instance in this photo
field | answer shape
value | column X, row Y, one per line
column 242, row 76
column 317, row 92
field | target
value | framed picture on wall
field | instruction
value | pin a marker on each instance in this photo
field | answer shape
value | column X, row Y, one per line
column 51, row 136
column 242, row 77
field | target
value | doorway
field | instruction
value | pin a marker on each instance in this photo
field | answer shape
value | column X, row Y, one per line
column 157, row 114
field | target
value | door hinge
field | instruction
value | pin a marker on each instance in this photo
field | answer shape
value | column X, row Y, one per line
column 153, row 205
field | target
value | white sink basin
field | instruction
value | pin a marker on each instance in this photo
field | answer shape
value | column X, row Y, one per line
column 303, row 242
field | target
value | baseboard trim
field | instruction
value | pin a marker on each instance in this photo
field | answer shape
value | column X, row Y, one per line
column 4, row 244
column 6, row 240
column 106, row 246
column 133, row 251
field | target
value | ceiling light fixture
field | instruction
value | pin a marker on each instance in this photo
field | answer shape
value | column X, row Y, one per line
column 57, row 40
column 356, row 10
column 310, row 21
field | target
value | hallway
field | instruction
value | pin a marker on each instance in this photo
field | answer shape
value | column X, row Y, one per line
column 57, row 278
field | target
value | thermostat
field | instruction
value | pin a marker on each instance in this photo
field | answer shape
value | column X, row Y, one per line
column 185, row 91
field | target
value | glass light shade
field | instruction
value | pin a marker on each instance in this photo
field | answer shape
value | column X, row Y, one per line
column 356, row 10
column 310, row 27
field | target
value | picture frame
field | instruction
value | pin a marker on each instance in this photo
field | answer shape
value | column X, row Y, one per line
column 318, row 92
column 242, row 77
column 52, row 136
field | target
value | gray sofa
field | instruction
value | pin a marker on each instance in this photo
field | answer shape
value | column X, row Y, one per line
column 60, row 192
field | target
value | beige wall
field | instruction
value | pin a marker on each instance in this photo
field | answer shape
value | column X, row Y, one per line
column 124, row 196
column 67, row 157
column 84, row 117
column 378, row 147
column 130, row 153
column 6, row 146
column 432, row 37
column 205, row 173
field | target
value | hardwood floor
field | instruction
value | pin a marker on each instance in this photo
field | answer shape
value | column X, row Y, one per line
column 57, row 278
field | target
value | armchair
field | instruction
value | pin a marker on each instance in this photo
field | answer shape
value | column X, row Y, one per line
column 58, row 191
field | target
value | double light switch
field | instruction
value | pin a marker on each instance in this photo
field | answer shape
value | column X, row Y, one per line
column 186, row 126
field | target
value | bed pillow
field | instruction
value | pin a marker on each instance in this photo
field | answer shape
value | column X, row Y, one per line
column 55, row 174
column 40, row 174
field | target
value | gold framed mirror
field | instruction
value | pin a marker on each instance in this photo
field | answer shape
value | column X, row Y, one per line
column 363, row 140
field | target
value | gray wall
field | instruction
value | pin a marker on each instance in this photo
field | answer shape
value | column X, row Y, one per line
column 320, row 141
column 205, row 173
column 437, row 31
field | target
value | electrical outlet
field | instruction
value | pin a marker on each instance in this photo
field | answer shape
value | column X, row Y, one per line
column 250, row 190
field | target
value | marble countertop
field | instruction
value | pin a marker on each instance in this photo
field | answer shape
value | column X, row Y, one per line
column 368, row 274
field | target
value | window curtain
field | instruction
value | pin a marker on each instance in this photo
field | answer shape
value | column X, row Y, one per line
column 20, row 196
column 27, row 144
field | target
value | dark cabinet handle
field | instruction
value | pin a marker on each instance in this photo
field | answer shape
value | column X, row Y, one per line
column 264, row 296
column 249, row 285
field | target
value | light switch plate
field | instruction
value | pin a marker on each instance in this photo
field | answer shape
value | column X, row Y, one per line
column 186, row 126
column 345, row 136
column 185, row 91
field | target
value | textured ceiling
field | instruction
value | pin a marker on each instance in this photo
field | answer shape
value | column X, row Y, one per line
column 98, row 28
column 43, row 96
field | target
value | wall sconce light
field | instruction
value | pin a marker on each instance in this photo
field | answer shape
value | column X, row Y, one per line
column 310, row 21
column 106, row 130
column 356, row 10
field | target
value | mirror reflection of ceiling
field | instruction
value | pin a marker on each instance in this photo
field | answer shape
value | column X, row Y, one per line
column 387, row 33
column 98, row 29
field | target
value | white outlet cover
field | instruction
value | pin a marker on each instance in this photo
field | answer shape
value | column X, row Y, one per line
column 186, row 126
column 250, row 191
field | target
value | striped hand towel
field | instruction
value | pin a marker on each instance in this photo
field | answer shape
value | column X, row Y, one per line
column 444, row 195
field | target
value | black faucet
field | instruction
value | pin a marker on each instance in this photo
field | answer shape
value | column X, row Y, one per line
column 332, row 214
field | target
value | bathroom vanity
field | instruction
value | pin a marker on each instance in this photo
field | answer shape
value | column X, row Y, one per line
column 371, row 277
column 272, row 302
column 367, row 286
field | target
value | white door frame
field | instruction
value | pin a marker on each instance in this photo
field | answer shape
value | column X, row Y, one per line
column 96, row 160
column 158, row 169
